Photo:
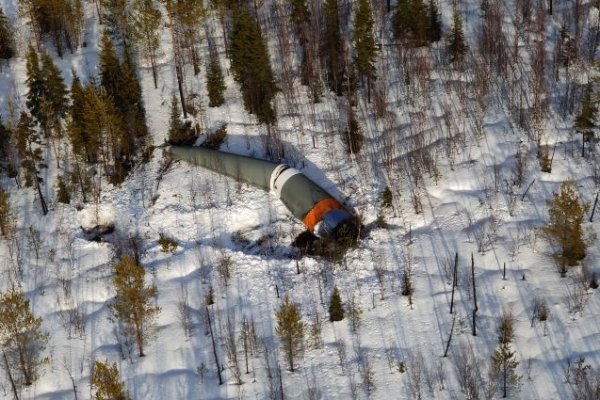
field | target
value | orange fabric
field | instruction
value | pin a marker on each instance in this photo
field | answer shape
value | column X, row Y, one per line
column 315, row 215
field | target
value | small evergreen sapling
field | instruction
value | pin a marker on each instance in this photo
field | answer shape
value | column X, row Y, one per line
column 504, row 362
column 336, row 310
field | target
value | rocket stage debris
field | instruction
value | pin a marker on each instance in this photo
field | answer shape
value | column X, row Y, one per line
column 323, row 215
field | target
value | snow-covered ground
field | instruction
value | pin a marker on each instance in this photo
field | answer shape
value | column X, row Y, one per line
column 466, row 209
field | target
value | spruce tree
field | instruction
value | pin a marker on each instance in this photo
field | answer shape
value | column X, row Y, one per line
column 120, row 142
column 410, row 23
column 22, row 339
column 36, row 91
column 124, row 107
column 133, row 305
column 434, row 28
column 92, row 134
column 27, row 143
column 62, row 191
column 179, row 132
column 353, row 136
column 336, row 310
column 251, row 67
column 364, row 43
column 300, row 17
column 215, row 84
column 456, row 40
column 55, row 92
column 7, row 46
column 6, row 150
column 332, row 47
column 564, row 228
column 75, row 123
column 290, row 330
column 585, row 121
column 110, row 68
column 132, row 102
column 106, row 382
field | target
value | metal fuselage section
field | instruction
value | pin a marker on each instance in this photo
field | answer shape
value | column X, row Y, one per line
column 320, row 212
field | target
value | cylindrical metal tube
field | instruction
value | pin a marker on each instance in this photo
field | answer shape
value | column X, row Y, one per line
column 320, row 212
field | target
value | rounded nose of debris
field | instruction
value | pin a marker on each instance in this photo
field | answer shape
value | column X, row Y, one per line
column 338, row 223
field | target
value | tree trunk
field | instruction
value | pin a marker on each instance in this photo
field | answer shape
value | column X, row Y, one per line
column 153, row 66
column 42, row 200
column 475, row 308
column 10, row 377
column 450, row 337
column 214, row 346
column 454, row 275
column 180, row 86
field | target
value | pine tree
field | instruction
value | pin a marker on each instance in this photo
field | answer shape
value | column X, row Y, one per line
column 146, row 23
column 434, row 28
column 7, row 47
column 215, row 84
column 585, row 122
column 364, row 43
column 564, row 228
column 504, row 362
column 22, row 339
column 60, row 20
column 187, row 16
column 116, row 17
column 332, row 47
column 290, row 330
column 106, row 382
column 336, row 310
column 456, row 40
column 251, row 67
column 133, row 305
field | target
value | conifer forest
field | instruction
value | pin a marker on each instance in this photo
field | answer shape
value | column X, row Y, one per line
column 461, row 135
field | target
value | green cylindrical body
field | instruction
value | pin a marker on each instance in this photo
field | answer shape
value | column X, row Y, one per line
column 246, row 169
